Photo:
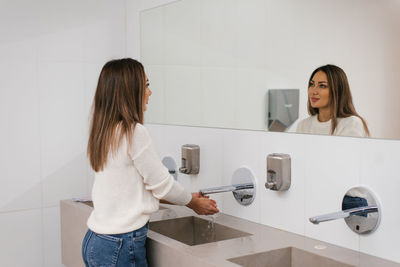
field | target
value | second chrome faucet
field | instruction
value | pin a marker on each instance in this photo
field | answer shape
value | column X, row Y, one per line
column 360, row 210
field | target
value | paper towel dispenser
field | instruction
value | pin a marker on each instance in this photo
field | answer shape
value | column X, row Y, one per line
column 283, row 108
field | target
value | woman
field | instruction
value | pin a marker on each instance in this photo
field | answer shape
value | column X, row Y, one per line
column 331, row 106
column 130, row 179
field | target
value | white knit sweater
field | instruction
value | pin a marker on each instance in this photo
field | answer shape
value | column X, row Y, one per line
column 128, row 190
column 350, row 126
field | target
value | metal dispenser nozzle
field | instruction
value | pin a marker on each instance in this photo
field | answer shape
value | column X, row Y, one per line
column 190, row 159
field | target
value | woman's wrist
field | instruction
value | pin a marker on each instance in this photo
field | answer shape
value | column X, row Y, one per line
column 191, row 203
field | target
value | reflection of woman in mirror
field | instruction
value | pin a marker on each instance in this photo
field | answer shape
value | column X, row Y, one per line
column 331, row 106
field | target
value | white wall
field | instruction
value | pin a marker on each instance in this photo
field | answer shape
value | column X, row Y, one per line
column 51, row 53
column 323, row 169
column 133, row 10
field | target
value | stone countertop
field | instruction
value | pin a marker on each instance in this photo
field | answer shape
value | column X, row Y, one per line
column 166, row 251
column 263, row 238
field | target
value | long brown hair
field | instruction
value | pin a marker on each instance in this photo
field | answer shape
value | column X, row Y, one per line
column 118, row 102
column 340, row 101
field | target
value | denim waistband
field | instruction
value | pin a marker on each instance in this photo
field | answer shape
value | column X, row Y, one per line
column 136, row 233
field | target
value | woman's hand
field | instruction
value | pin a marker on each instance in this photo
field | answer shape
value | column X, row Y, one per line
column 202, row 205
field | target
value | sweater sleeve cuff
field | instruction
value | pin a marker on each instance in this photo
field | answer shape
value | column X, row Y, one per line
column 178, row 195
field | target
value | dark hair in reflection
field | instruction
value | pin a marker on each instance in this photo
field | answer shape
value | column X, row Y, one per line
column 341, row 101
column 118, row 103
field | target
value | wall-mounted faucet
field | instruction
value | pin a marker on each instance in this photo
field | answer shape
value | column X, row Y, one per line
column 360, row 210
column 228, row 188
column 243, row 187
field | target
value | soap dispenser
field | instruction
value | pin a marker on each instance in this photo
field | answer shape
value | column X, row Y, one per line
column 278, row 172
column 190, row 159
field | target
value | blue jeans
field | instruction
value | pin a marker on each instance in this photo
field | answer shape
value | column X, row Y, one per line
column 118, row 250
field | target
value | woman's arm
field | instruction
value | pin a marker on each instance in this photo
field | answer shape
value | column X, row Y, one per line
column 159, row 181
column 202, row 207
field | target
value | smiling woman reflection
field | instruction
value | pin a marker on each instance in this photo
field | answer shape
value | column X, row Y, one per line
column 331, row 106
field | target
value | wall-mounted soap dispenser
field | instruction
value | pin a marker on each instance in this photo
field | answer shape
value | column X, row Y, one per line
column 190, row 159
column 278, row 172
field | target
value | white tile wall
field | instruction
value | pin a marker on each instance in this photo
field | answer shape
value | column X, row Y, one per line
column 70, row 180
column 152, row 35
column 91, row 73
column 283, row 210
column 210, row 142
column 237, row 153
column 20, row 136
column 380, row 171
column 281, row 29
column 62, row 45
column 251, row 98
column 156, row 106
column 105, row 38
column 24, row 18
column 21, row 238
column 18, row 51
column 217, row 36
column 182, row 93
column 216, row 85
column 63, row 127
column 182, row 36
column 251, row 23
column 51, row 228
column 51, row 54
column 331, row 168
column 323, row 169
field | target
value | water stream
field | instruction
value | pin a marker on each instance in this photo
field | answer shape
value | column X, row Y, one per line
column 210, row 234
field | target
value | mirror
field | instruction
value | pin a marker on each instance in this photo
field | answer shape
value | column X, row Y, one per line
column 211, row 63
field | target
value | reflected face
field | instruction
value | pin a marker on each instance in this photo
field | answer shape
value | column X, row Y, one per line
column 147, row 94
column 318, row 91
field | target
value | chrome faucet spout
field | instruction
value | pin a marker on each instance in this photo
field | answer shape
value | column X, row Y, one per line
column 228, row 188
column 362, row 211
